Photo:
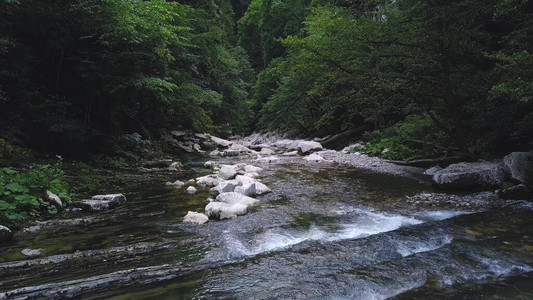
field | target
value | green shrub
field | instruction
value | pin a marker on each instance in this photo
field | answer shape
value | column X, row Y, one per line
column 21, row 193
column 392, row 142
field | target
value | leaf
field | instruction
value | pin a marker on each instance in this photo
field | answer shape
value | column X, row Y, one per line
column 4, row 205
column 27, row 199
column 17, row 216
column 9, row 171
column 17, row 188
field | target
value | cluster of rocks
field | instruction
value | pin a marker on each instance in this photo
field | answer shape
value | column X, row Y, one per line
column 512, row 176
column 264, row 148
column 100, row 202
column 161, row 166
column 233, row 188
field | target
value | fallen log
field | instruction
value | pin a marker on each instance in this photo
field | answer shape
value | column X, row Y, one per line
column 342, row 139
column 430, row 162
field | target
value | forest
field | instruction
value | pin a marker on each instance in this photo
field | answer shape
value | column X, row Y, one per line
column 266, row 149
column 456, row 74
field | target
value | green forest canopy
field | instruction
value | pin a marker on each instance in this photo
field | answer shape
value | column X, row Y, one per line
column 453, row 73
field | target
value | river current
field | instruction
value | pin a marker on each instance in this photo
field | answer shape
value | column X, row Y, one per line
column 326, row 232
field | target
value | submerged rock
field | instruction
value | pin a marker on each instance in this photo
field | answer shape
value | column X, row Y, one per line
column 462, row 176
column 32, row 252
column 195, row 218
column 5, row 233
column 221, row 210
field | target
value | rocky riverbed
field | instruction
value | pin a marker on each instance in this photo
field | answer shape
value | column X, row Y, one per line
column 329, row 224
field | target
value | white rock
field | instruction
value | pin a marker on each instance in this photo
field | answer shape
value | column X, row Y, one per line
column 221, row 142
column 227, row 172
column 247, row 190
column 191, row 190
column 195, row 218
column 292, row 153
column 178, row 183
column 266, row 151
column 32, row 252
column 226, row 186
column 267, row 159
column 252, row 169
column 261, row 189
column 214, row 153
column 307, row 147
column 314, row 157
column 208, row 180
column 236, row 198
column 221, row 210
column 252, row 175
column 54, row 199
column 191, row 182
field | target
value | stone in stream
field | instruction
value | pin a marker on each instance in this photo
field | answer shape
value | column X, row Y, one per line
column 54, row 200
column 5, row 233
column 307, row 147
column 208, row 180
column 261, row 189
column 252, row 169
column 191, row 190
column 32, row 252
column 101, row 202
column 267, row 151
column 226, row 186
column 432, row 171
column 195, row 218
column 227, row 172
column 314, row 157
column 221, row 210
column 463, row 176
column 176, row 183
column 236, row 198
column 247, row 190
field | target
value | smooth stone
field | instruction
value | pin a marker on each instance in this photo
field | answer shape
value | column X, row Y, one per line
column 221, row 210
column 191, row 190
column 54, row 200
column 32, row 252
column 195, row 218
column 236, row 198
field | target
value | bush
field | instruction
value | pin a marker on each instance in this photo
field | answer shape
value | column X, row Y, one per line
column 392, row 142
column 21, row 193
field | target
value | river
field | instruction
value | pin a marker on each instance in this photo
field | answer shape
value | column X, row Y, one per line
column 326, row 232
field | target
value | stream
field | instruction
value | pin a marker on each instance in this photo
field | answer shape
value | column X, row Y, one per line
column 326, row 232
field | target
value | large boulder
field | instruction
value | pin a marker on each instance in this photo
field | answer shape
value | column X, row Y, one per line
column 519, row 165
column 472, row 176
column 227, row 172
column 307, row 147
column 236, row 198
column 5, row 233
column 222, row 143
column 195, row 218
column 221, row 210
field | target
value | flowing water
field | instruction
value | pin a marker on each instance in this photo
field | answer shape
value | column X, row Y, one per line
column 326, row 232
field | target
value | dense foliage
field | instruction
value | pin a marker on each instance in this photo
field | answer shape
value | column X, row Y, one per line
column 77, row 70
column 74, row 73
column 465, row 65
